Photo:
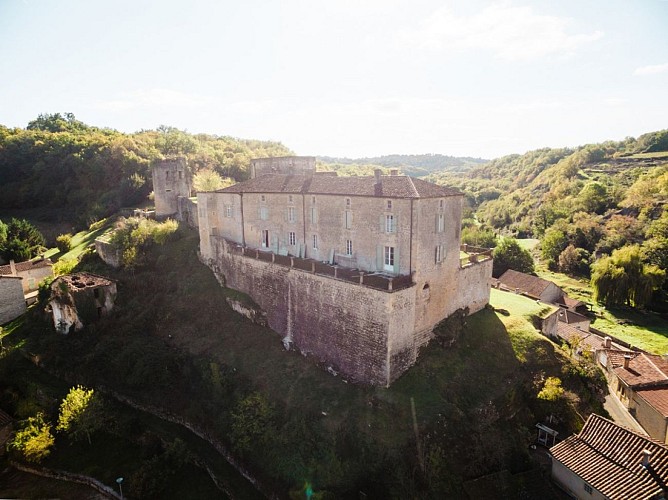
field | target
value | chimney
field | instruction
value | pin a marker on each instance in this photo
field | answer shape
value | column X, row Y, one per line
column 377, row 173
column 12, row 266
column 646, row 454
column 394, row 171
column 627, row 359
column 607, row 342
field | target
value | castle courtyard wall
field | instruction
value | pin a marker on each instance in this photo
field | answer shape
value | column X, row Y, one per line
column 364, row 333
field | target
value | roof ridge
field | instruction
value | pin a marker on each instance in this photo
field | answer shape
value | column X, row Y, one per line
column 654, row 365
column 631, row 431
column 412, row 184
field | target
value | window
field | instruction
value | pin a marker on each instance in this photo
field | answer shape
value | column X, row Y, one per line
column 588, row 488
column 265, row 238
column 290, row 198
column 348, row 219
column 168, row 190
column 314, row 215
column 347, row 202
column 180, row 175
column 440, row 223
column 313, row 199
column 228, row 210
column 349, row 247
column 389, row 258
column 389, row 204
column 291, row 214
column 264, row 213
column 167, row 175
column 439, row 253
column 315, row 241
column 263, row 198
column 292, row 238
column 389, row 223
column 440, row 204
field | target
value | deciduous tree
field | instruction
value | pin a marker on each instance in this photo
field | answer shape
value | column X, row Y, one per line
column 510, row 255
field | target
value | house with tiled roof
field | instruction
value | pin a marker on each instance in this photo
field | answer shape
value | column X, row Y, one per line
column 640, row 380
column 355, row 271
column 531, row 286
column 608, row 461
column 32, row 272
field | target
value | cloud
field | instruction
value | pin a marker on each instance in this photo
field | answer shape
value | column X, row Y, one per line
column 511, row 33
column 153, row 98
column 651, row 70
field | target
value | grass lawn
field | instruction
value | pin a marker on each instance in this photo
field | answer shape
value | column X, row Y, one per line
column 646, row 330
column 80, row 242
column 528, row 243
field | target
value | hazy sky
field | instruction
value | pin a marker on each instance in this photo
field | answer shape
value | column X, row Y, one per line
column 345, row 78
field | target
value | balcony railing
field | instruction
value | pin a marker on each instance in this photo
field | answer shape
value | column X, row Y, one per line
column 473, row 255
column 378, row 281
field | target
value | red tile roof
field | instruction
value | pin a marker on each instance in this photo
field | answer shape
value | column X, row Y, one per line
column 26, row 266
column 644, row 369
column 531, row 285
column 656, row 397
column 391, row 186
column 608, row 457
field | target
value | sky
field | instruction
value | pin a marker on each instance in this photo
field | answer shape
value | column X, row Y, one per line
column 342, row 77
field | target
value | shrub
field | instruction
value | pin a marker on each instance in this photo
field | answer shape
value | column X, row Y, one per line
column 64, row 242
column 34, row 440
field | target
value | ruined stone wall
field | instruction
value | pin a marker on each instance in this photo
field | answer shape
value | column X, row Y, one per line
column 363, row 333
column 298, row 165
column 109, row 253
column 12, row 303
column 188, row 211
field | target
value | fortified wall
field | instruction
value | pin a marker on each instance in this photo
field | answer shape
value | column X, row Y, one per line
column 361, row 331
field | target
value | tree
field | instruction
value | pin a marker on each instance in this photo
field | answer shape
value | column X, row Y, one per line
column 81, row 413
column 34, row 440
column 594, row 197
column 574, row 261
column 551, row 390
column 510, row 255
column 209, row 180
column 22, row 241
column 553, row 243
column 479, row 237
column 623, row 278
column 251, row 422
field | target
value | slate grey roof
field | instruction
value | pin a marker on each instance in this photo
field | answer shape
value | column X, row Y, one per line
column 391, row 186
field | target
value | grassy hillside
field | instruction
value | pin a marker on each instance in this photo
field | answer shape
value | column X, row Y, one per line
column 173, row 342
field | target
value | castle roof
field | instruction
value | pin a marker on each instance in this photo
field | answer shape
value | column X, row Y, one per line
column 610, row 458
column 391, row 186
column 26, row 266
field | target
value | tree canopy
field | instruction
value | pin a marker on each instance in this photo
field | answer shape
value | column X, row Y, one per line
column 508, row 254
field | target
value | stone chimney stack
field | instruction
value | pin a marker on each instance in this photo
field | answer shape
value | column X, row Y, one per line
column 607, row 342
column 627, row 359
column 377, row 173
column 646, row 455
column 394, row 171
column 12, row 266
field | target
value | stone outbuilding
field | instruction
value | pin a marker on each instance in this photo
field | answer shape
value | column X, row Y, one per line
column 12, row 302
column 79, row 299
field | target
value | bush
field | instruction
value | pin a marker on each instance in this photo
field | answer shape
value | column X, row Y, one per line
column 64, row 242
column 34, row 440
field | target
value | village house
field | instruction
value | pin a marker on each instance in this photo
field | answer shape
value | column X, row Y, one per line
column 32, row 272
column 12, row 301
column 640, row 380
column 355, row 271
column 79, row 299
column 531, row 286
column 608, row 461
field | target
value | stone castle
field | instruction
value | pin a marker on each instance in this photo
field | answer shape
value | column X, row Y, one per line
column 356, row 271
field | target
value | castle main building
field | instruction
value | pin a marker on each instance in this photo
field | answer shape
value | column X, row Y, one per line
column 355, row 271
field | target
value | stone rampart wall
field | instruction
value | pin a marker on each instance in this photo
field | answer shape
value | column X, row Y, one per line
column 365, row 334
column 12, row 303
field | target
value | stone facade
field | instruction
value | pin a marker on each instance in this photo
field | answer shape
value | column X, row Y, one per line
column 384, row 227
column 78, row 299
column 171, row 180
column 12, row 303
column 32, row 272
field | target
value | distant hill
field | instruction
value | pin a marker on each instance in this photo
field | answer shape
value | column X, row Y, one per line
column 413, row 165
